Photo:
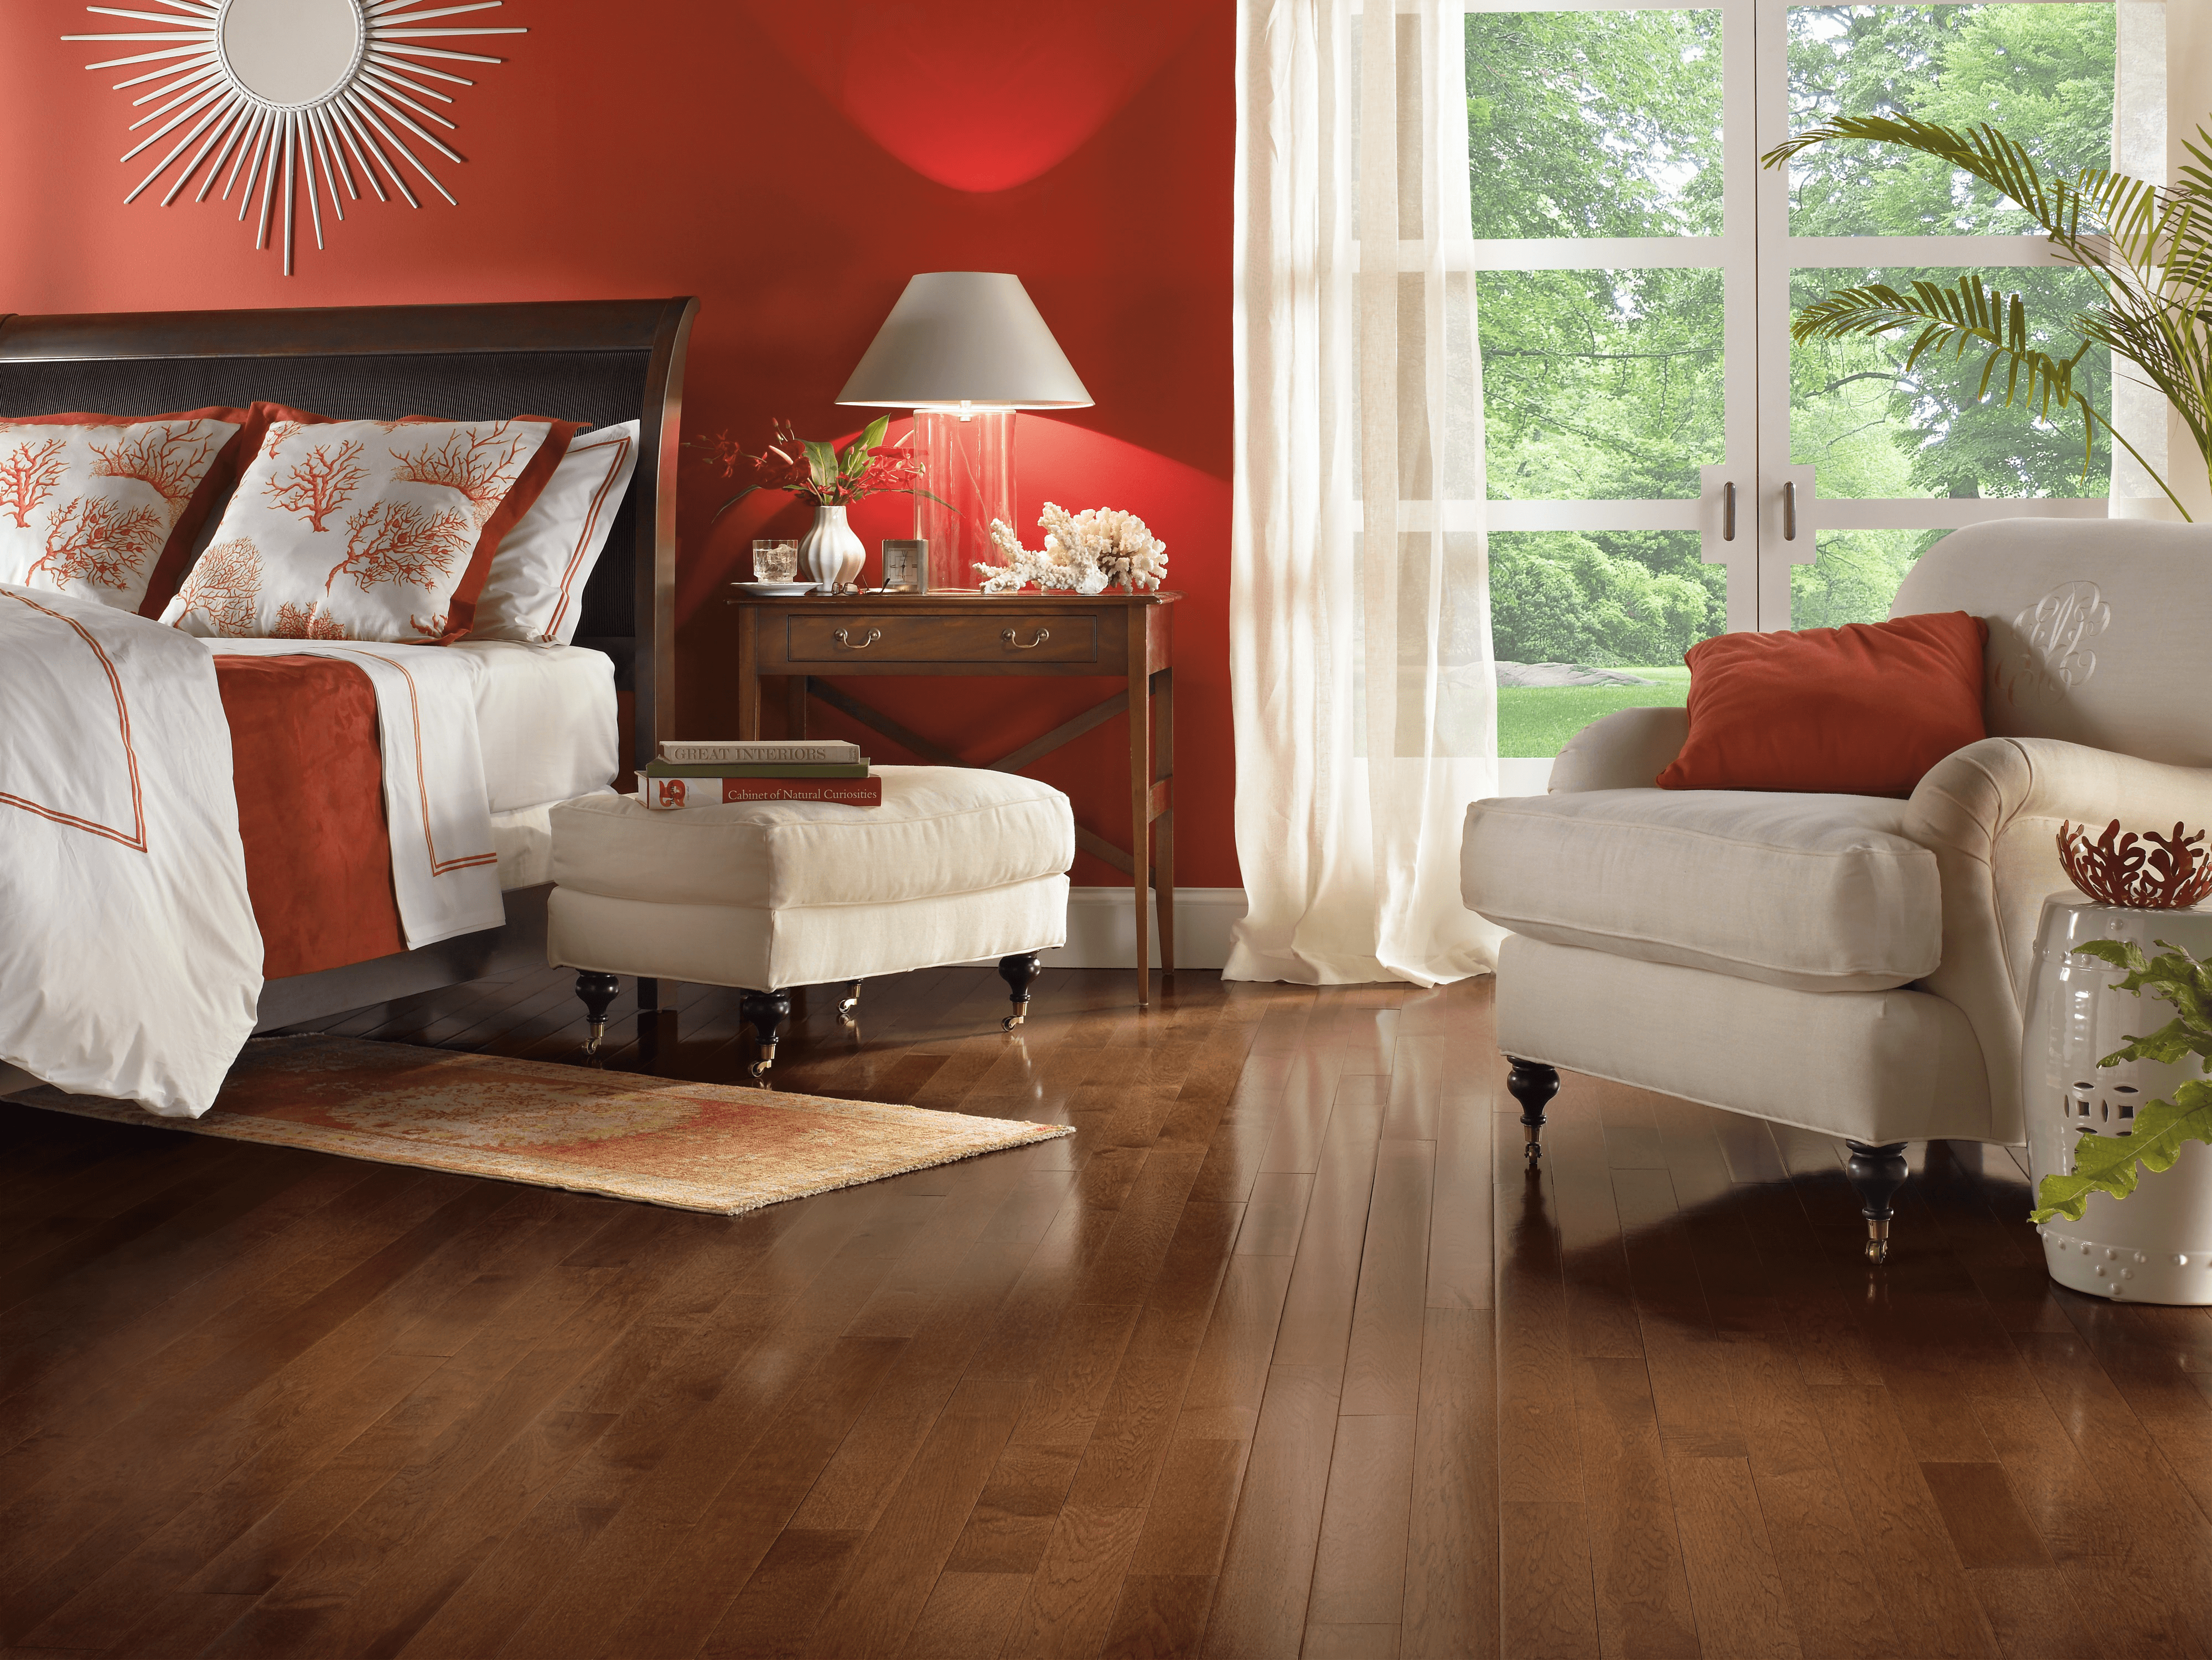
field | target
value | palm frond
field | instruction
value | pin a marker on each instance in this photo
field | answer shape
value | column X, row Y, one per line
column 2147, row 247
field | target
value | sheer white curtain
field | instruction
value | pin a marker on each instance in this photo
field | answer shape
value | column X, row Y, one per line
column 1360, row 626
column 2162, row 95
column 2139, row 128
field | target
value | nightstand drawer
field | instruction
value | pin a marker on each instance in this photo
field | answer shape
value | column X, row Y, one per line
column 1010, row 636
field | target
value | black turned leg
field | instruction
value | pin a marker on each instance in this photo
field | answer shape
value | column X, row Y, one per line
column 1018, row 972
column 1533, row 1084
column 765, row 1011
column 597, row 991
column 851, row 1006
column 1876, row 1173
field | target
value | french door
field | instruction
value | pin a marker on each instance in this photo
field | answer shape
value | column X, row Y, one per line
column 1663, row 462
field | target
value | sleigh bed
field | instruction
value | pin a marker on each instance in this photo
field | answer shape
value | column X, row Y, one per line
column 542, row 714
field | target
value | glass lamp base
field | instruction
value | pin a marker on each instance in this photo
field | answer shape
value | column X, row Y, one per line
column 970, row 462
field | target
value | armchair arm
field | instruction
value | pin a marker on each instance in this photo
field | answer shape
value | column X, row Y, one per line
column 1991, row 814
column 1627, row 749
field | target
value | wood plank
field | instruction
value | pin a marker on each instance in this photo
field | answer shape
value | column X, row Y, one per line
column 1259, row 1597
column 1451, row 1550
column 1931, row 1607
column 1359, row 1564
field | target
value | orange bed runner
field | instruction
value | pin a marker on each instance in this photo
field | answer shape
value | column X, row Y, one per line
column 310, row 781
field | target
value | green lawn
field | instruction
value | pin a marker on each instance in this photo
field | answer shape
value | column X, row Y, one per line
column 1538, row 720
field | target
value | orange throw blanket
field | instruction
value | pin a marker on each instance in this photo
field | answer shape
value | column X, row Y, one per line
column 310, row 783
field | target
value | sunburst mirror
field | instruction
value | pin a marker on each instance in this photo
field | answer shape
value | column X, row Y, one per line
column 312, row 90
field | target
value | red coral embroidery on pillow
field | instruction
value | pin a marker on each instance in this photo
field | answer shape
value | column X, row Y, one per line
column 29, row 473
column 401, row 542
column 171, row 459
column 91, row 538
column 318, row 484
column 307, row 622
column 482, row 467
column 225, row 585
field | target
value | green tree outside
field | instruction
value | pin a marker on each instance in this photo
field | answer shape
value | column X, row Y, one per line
column 1606, row 384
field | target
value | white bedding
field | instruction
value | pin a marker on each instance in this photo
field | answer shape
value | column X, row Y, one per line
column 546, row 717
column 129, row 963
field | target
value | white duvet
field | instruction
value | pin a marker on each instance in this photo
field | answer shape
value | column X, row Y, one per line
column 129, row 963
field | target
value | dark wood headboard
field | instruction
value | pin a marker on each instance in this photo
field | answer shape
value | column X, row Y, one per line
column 599, row 361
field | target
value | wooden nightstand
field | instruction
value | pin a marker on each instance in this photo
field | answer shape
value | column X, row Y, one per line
column 810, row 640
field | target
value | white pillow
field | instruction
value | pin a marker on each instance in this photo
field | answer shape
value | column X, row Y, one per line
column 358, row 530
column 536, row 589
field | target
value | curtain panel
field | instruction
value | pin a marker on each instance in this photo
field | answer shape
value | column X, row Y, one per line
column 1362, row 682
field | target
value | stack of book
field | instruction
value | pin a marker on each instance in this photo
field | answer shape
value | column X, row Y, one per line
column 695, row 773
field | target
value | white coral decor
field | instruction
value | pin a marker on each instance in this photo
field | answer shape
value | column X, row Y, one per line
column 1083, row 551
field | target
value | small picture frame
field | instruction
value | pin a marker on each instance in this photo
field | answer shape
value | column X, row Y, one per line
column 905, row 566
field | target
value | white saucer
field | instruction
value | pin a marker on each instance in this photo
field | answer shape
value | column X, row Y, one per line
column 775, row 590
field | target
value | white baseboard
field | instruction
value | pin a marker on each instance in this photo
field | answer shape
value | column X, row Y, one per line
column 1102, row 928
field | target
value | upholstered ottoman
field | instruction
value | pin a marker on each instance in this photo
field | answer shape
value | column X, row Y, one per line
column 956, row 864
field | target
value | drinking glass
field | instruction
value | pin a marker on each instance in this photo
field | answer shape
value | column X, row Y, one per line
column 775, row 560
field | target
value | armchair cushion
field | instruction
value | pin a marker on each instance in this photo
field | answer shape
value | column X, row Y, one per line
column 1812, row 892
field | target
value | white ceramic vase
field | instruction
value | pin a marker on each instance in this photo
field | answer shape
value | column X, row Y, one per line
column 831, row 553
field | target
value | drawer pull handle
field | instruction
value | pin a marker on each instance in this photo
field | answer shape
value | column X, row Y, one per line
column 1043, row 634
column 874, row 635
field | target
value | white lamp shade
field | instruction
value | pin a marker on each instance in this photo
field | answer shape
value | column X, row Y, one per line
column 968, row 336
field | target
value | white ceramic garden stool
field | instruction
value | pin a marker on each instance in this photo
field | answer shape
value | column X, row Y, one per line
column 2155, row 1245
column 957, row 865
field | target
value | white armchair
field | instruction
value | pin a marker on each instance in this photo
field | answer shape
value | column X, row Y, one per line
column 1855, row 964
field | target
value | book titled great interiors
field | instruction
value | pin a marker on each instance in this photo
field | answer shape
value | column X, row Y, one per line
column 757, row 768
column 752, row 752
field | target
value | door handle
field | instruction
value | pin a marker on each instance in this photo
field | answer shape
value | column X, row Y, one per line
column 1790, row 510
column 874, row 635
column 1727, row 511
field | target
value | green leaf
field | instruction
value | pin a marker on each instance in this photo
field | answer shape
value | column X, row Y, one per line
column 2106, row 1163
column 852, row 460
column 822, row 461
column 2174, row 975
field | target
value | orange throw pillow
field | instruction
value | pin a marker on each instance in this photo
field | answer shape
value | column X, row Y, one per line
column 1864, row 709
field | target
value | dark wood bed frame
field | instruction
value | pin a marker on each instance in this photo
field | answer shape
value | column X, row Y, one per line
column 600, row 360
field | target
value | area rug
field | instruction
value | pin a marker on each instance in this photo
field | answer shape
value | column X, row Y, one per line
column 694, row 1146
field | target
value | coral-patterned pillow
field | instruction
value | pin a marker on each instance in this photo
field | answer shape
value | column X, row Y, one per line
column 107, row 506
column 365, row 530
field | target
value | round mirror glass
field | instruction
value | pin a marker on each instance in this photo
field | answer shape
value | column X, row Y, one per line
column 290, row 51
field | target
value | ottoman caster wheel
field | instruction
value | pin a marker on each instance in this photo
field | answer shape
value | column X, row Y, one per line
column 597, row 991
column 1018, row 972
column 848, row 1010
column 765, row 1011
column 1877, row 1245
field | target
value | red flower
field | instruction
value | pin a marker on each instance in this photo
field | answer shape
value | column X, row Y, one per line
column 816, row 469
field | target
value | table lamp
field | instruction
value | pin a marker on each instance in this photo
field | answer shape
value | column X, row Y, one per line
column 963, row 350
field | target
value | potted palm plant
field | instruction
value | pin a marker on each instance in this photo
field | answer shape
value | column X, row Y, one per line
column 2147, row 247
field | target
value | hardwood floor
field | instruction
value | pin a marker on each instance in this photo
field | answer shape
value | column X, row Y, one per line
column 1283, row 1353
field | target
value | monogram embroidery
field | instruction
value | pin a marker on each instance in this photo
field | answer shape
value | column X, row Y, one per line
column 2055, row 634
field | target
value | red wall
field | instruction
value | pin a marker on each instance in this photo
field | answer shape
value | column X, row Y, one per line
column 792, row 164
